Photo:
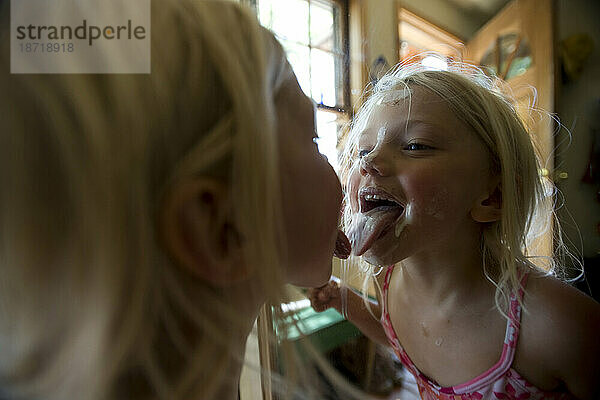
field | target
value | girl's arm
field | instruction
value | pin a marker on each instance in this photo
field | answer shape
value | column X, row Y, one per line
column 580, row 351
column 560, row 336
column 330, row 295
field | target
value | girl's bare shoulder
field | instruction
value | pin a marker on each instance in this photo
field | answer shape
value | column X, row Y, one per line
column 559, row 329
column 551, row 303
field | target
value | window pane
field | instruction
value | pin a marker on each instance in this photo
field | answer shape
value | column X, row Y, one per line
column 323, row 77
column 327, row 128
column 322, row 34
column 288, row 19
column 311, row 34
column 299, row 58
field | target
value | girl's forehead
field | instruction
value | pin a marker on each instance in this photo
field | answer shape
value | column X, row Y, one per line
column 394, row 96
column 400, row 108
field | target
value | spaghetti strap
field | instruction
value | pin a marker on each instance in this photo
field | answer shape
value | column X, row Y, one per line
column 511, row 337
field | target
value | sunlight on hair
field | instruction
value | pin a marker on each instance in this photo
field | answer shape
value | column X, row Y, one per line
column 435, row 63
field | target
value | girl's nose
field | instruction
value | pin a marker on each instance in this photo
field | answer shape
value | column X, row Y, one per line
column 374, row 164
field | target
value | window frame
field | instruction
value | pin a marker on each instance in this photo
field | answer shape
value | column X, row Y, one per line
column 343, row 110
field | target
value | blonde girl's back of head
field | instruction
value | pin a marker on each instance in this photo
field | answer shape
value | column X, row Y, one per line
column 483, row 103
column 87, row 296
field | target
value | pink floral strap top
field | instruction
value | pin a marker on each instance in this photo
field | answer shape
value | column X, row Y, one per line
column 498, row 382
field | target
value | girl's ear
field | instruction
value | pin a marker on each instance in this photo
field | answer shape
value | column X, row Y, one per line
column 488, row 208
column 196, row 223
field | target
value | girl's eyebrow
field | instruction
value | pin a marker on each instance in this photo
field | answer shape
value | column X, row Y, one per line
column 403, row 127
column 431, row 128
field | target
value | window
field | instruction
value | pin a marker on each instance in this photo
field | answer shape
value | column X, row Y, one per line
column 314, row 36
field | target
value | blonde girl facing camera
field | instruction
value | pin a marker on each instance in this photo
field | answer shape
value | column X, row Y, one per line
column 444, row 194
column 144, row 219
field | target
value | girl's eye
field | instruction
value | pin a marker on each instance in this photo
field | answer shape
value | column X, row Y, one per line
column 416, row 147
column 362, row 153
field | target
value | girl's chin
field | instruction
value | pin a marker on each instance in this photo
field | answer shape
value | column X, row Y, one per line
column 378, row 260
column 381, row 256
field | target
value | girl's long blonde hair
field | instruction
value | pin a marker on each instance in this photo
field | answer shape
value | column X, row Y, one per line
column 86, row 292
column 484, row 104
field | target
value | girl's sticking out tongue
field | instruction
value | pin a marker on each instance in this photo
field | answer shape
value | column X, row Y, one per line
column 367, row 227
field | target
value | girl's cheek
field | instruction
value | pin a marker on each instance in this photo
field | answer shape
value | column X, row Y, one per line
column 437, row 204
column 428, row 197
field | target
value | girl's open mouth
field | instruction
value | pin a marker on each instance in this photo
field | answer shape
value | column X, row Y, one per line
column 379, row 212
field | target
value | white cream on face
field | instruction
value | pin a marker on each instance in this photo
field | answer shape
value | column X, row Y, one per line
column 380, row 139
column 388, row 98
column 380, row 136
column 404, row 221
